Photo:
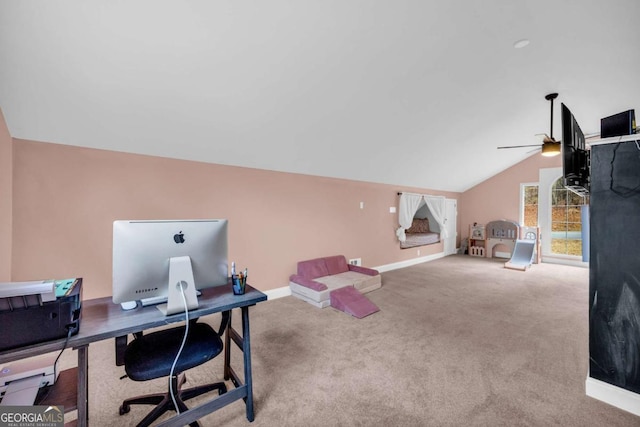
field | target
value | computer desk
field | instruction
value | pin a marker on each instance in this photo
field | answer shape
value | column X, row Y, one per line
column 102, row 319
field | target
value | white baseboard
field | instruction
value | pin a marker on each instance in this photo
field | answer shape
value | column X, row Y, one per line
column 285, row 291
column 614, row 396
column 573, row 261
column 408, row 263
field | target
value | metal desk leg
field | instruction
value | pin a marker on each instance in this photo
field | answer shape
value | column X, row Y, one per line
column 83, row 386
column 246, row 349
column 227, row 349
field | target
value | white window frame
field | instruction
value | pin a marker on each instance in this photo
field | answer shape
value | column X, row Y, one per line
column 547, row 177
column 522, row 187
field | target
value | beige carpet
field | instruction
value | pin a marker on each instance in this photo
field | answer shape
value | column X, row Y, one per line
column 458, row 341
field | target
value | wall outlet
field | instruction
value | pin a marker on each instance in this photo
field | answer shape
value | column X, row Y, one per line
column 355, row 261
column 392, row 209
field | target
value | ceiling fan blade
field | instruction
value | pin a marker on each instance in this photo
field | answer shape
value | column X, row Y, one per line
column 545, row 138
column 519, row 146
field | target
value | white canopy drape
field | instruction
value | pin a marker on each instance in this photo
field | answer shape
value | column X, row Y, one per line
column 409, row 204
column 436, row 205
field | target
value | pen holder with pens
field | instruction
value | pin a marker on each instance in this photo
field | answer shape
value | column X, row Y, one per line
column 237, row 283
column 238, row 280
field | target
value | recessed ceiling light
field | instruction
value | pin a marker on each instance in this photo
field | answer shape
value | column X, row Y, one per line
column 521, row 43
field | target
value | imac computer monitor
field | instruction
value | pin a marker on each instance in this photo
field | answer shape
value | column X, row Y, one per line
column 168, row 259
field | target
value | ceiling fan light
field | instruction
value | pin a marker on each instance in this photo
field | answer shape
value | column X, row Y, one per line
column 550, row 149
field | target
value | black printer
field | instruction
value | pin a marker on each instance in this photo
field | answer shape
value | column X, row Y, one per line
column 31, row 314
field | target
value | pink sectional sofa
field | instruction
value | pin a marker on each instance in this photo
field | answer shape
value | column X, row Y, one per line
column 316, row 278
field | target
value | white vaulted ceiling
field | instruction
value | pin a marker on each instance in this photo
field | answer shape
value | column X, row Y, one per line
column 413, row 93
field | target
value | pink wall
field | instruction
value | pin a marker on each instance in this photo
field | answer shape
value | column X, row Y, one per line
column 6, row 199
column 499, row 196
column 66, row 198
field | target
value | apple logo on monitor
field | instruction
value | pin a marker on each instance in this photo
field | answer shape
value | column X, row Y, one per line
column 178, row 238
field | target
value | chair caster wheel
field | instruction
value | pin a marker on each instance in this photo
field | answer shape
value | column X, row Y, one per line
column 124, row 409
column 222, row 390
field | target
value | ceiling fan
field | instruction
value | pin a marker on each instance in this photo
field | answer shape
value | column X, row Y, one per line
column 550, row 147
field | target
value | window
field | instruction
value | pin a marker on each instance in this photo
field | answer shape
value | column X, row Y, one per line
column 566, row 228
column 529, row 205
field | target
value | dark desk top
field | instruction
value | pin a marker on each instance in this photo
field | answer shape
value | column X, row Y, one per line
column 102, row 319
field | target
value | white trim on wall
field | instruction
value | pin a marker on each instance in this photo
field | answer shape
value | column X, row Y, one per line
column 615, row 396
column 521, row 207
column 284, row 291
column 410, row 262
column 547, row 177
column 565, row 260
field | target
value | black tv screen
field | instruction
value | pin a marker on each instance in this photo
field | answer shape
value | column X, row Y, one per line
column 575, row 156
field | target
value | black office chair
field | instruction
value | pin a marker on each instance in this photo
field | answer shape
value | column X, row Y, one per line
column 151, row 356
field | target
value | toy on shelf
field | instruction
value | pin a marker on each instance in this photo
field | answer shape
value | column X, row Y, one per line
column 476, row 240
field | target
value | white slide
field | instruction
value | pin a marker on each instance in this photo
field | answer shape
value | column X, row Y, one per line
column 522, row 256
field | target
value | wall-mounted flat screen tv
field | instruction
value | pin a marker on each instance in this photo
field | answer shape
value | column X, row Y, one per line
column 575, row 156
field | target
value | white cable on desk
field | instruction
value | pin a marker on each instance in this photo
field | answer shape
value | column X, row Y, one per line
column 184, row 340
